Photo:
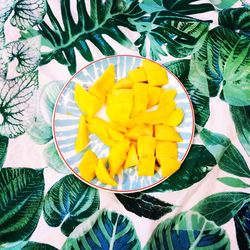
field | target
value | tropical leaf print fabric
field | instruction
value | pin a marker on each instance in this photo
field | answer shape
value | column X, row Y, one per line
column 205, row 205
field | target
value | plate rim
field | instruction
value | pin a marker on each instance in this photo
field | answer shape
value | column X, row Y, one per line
column 104, row 188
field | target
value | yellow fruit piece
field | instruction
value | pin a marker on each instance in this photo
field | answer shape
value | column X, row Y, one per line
column 97, row 126
column 139, row 130
column 154, row 94
column 145, row 146
column 124, row 83
column 166, row 133
column 117, row 156
column 138, row 75
column 114, row 134
column 169, row 166
column 118, row 126
column 87, row 166
column 140, row 91
column 132, row 158
column 166, row 149
column 156, row 74
column 102, row 86
column 87, row 103
column 102, row 173
column 167, row 96
column 119, row 105
column 146, row 166
column 175, row 118
column 82, row 138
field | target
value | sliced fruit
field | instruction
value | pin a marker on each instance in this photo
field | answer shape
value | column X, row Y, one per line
column 165, row 149
column 169, row 166
column 167, row 96
column 82, row 138
column 98, row 126
column 146, row 166
column 139, row 130
column 154, row 94
column 145, row 146
column 132, row 158
column 166, row 133
column 175, row 118
column 118, row 126
column 124, row 83
column 137, row 75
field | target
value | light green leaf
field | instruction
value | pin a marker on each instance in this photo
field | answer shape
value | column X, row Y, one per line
column 233, row 182
column 223, row 59
column 241, row 120
column 69, row 202
column 226, row 154
column 188, row 230
column 104, row 230
column 223, row 4
column 4, row 141
column 13, row 246
column 38, row 246
column 195, row 167
column 21, row 197
column 221, row 207
column 17, row 104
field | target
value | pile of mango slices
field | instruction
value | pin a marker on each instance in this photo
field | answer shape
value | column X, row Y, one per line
column 141, row 127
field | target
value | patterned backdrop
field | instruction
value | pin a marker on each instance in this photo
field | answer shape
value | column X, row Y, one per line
column 205, row 205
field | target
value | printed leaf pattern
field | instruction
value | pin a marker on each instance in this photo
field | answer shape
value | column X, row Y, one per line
column 21, row 197
column 69, row 202
column 38, row 246
column 145, row 205
column 233, row 182
column 4, row 141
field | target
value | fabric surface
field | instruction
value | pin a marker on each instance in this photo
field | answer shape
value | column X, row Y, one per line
column 205, row 205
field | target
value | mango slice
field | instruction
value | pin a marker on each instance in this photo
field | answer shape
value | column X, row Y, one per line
column 166, row 133
column 118, row 126
column 102, row 173
column 119, row 105
column 145, row 146
column 175, row 118
column 139, row 130
column 165, row 149
column 88, row 165
column 86, row 102
column 140, row 91
column 117, row 156
column 156, row 74
column 124, row 83
column 154, row 94
column 146, row 166
column 102, row 86
column 82, row 138
column 167, row 96
column 169, row 166
column 138, row 75
column 132, row 158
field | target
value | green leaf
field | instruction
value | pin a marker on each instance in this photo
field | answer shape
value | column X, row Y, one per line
column 104, row 230
column 38, row 246
column 226, row 154
column 200, row 102
column 105, row 18
column 21, row 197
column 221, row 207
column 69, row 202
column 236, row 19
column 223, row 4
column 13, row 246
column 4, row 142
column 145, row 205
column 188, row 230
column 233, row 182
column 241, row 120
column 195, row 167
column 241, row 220
column 17, row 107
column 223, row 59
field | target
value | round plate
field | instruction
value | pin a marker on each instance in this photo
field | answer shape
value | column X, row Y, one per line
column 66, row 117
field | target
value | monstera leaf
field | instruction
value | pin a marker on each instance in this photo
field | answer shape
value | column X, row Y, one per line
column 200, row 102
column 188, row 230
column 223, row 60
column 104, row 230
column 21, row 197
column 69, row 202
column 104, row 19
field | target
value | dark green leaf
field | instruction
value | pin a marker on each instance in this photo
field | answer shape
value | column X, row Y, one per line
column 17, row 107
column 242, row 226
column 233, row 182
column 195, row 167
column 223, row 59
column 4, row 141
column 145, row 205
column 21, row 197
column 226, row 154
column 241, row 120
column 188, row 230
column 200, row 102
column 221, row 207
column 38, row 246
column 236, row 19
column 107, row 230
column 69, row 202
